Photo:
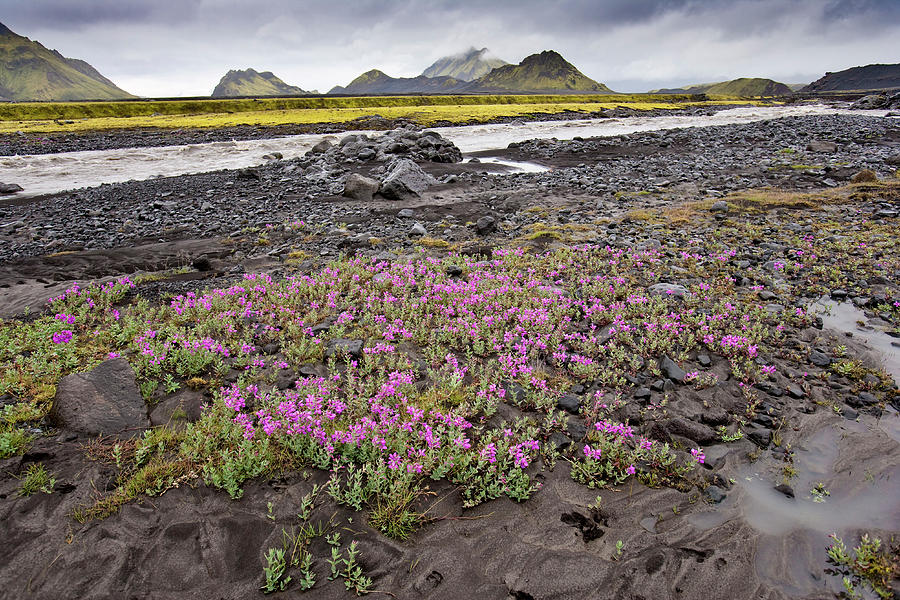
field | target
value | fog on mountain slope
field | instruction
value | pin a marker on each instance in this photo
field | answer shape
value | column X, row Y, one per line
column 546, row 72
column 466, row 66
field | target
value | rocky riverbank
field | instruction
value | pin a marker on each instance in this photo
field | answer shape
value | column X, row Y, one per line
column 632, row 335
column 47, row 143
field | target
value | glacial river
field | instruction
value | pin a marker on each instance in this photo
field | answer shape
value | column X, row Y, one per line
column 50, row 173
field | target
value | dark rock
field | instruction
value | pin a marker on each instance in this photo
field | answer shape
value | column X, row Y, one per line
column 671, row 370
column 642, row 394
column 819, row 359
column 795, row 391
column 720, row 207
column 560, row 441
column 569, row 403
column 104, row 401
column 417, row 230
column 454, row 270
column 867, row 399
column 341, row 346
column 821, row 146
column 715, row 416
column 704, row 360
column 10, row 188
column 201, row 263
column 696, row 432
column 838, row 294
column 785, row 489
column 321, row 148
column 485, row 225
column 405, row 180
column 178, row 409
column 577, row 430
column 760, row 436
column 515, row 393
column 658, row 385
column 359, row 187
column 248, row 173
column 770, row 389
column 871, row 102
column 714, row 494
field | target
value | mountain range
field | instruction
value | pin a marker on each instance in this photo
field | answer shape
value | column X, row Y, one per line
column 252, row 83
column 869, row 77
column 744, row 86
column 29, row 71
column 546, row 72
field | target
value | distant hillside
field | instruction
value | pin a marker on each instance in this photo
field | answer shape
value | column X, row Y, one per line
column 377, row 82
column 251, row 83
column 467, row 66
column 745, row 86
column 29, row 71
column 869, row 77
column 544, row 72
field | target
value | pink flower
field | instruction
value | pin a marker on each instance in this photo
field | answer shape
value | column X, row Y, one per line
column 62, row 337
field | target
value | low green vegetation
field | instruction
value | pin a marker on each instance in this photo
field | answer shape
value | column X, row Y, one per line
column 870, row 566
column 40, row 117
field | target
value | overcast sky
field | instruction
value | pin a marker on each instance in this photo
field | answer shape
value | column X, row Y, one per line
column 183, row 47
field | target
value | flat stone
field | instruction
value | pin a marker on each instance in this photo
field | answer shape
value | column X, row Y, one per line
column 103, row 401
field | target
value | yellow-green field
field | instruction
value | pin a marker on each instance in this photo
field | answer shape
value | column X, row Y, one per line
column 45, row 117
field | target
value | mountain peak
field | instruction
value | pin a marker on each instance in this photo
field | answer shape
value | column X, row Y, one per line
column 29, row 71
column 546, row 71
column 250, row 82
column 465, row 66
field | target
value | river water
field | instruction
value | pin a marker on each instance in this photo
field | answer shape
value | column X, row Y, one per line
column 51, row 173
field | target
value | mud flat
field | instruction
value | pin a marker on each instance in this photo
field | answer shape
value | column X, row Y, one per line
column 606, row 379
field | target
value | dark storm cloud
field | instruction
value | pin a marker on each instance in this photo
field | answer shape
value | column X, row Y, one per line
column 174, row 47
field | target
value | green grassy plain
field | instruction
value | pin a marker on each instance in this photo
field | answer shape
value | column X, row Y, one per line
column 46, row 117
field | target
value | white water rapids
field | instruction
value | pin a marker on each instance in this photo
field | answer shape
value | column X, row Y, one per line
column 51, row 173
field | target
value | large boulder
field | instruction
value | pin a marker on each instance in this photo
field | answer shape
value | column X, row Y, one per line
column 871, row 102
column 104, row 401
column 10, row 188
column 360, row 187
column 405, row 180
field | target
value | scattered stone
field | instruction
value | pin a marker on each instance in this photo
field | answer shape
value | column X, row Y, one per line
column 696, row 432
column 821, row 146
column 10, row 188
column 359, row 187
column 795, row 391
column 704, row 361
column 341, row 346
column 485, row 225
column 321, row 148
column 715, row 494
column 864, row 176
column 668, row 289
column 785, row 489
column 719, row 207
column 103, row 401
column 671, row 370
column 569, row 403
column 418, row 230
column 819, row 359
column 405, row 181
column 760, row 436
column 642, row 393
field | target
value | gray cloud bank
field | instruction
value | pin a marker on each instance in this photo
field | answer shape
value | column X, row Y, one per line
column 182, row 47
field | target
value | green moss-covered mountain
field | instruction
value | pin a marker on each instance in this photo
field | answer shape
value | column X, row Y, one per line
column 744, row 86
column 29, row 71
column 869, row 77
column 544, row 72
column 467, row 66
column 547, row 72
column 377, row 82
column 252, row 83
